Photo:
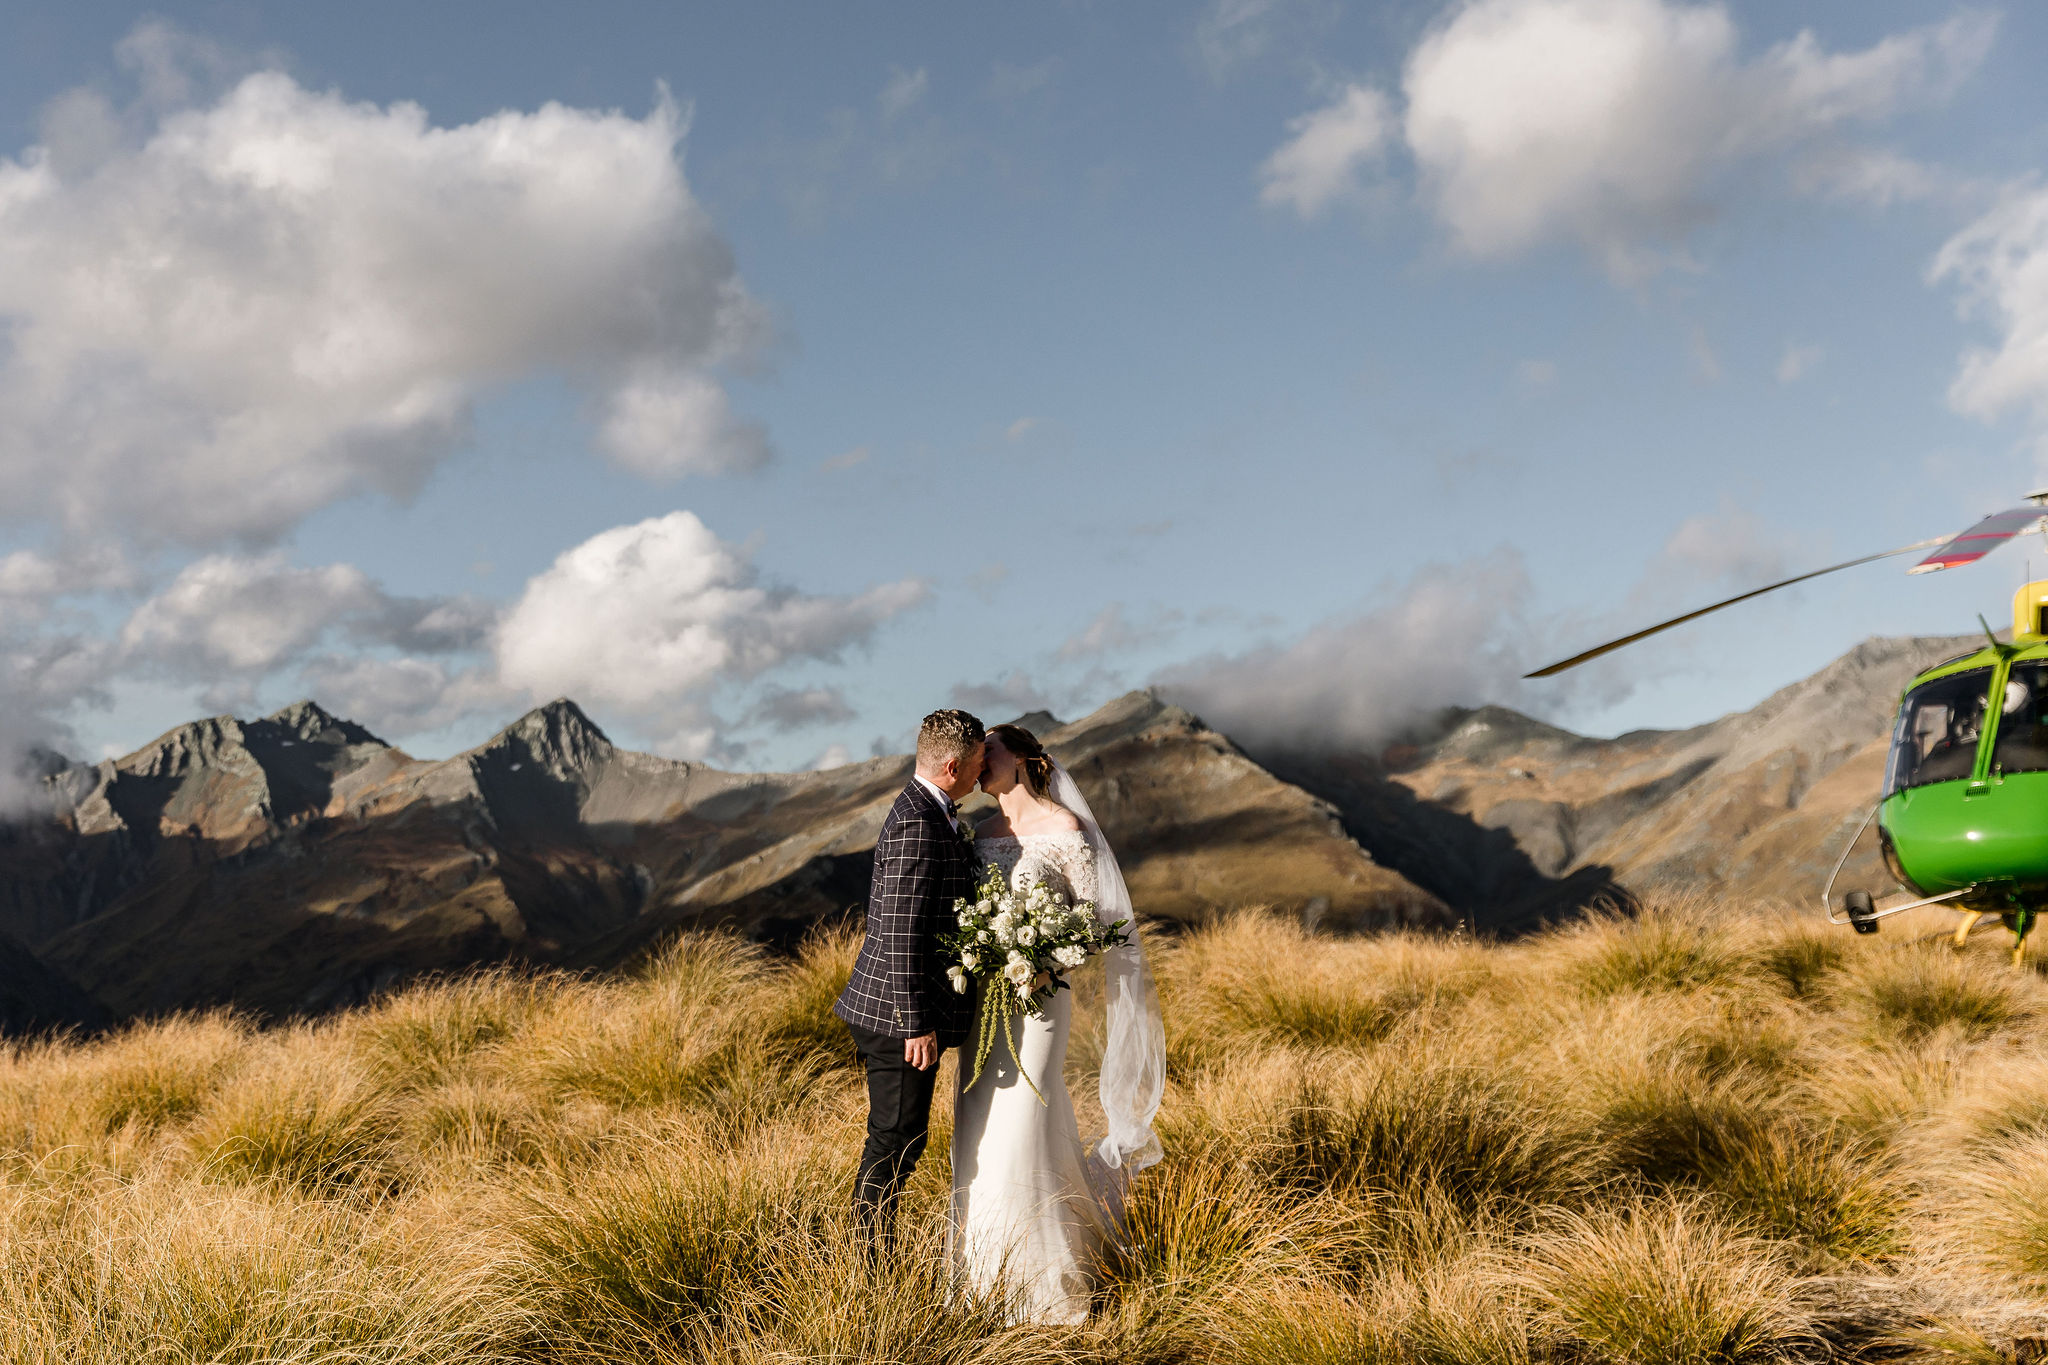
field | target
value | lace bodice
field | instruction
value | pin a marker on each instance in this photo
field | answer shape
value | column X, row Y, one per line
column 1062, row 861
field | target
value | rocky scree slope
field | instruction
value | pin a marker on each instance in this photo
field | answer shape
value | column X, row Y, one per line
column 1513, row 822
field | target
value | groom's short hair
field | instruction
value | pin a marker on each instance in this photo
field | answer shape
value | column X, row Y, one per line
column 947, row 734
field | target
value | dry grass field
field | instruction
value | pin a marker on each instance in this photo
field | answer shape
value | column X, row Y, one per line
column 1690, row 1137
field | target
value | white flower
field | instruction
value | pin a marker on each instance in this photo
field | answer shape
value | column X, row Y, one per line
column 1019, row 970
column 959, row 979
column 981, row 937
column 970, row 960
column 982, row 906
column 1070, row 956
column 1027, row 936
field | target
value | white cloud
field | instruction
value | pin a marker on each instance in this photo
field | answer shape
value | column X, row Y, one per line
column 1014, row 694
column 835, row 756
column 2000, row 263
column 785, row 708
column 651, row 618
column 844, row 461
column 1019, row 429
column 1455, row 635
column 284, row 298
column 1622, row 124
column 1732, row 546
column 396, row 697
column 1798, row 361
column 231, row 622
column 1326, row 149
column 664, row 423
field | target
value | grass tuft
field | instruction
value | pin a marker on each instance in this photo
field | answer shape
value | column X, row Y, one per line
column 1677, row 1137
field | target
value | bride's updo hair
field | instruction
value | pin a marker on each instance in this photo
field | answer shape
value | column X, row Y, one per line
column 1032, row 758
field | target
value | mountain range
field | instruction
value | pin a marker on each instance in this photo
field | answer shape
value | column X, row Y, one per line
column 296, row 863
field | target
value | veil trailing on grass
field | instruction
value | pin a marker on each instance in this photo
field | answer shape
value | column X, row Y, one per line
column 1134, row 1055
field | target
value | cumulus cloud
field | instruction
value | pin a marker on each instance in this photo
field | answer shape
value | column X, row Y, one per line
column 283, row 298
column 1326, row 151
column 651, row 618
column 1617, row 123
column 230, row 621
column 1453, row 635
column 1622, row 124
column 2000, row 264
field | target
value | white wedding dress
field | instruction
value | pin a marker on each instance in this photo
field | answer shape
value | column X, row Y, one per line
column 1028, row 1211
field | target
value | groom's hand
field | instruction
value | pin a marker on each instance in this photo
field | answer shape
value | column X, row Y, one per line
column 922, row 1053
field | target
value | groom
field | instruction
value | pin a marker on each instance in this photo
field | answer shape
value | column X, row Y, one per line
column 899, row 1004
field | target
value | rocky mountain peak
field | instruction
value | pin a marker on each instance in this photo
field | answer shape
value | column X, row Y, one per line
column 557, row 737
column 216, row 742
column 310, row 721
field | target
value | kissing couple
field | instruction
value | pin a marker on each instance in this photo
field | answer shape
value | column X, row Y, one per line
column 1032, row 1208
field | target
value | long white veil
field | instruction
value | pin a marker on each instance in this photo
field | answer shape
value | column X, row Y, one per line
column 1134, row 1054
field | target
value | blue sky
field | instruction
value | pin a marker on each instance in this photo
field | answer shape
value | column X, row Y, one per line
column 1323, row 363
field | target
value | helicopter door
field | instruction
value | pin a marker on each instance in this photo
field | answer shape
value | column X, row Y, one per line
column 1940, row 723
column 2021, row 745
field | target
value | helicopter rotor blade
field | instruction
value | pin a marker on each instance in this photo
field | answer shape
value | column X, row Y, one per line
column 1562, row 664
column 1981, row 539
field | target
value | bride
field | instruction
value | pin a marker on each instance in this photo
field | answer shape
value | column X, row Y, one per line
column 1033, row 1207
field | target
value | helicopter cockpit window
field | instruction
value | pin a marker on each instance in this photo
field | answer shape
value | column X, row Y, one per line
column 2022, row 743
column 1938, row 728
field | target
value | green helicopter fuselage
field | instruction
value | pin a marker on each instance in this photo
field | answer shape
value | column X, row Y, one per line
column 1965, row 803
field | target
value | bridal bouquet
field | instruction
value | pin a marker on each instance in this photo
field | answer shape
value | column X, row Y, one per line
column 1018, row 945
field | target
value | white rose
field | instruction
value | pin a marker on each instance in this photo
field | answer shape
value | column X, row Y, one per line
column 1027, row 936
column 970, row 960
column 1019, row 971
column 982, row 906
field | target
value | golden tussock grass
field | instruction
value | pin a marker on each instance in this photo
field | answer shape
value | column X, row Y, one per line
column 1694, row 1135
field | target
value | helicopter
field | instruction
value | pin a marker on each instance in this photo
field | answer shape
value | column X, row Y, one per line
column 1962, row 818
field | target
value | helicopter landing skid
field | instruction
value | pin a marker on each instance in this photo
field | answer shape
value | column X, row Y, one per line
column 1858, row 920
column 1862, row 915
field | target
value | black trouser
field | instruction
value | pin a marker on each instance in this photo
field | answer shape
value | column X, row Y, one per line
column 899, row 1123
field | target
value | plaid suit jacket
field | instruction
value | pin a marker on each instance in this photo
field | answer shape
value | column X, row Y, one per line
column 899, row 987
